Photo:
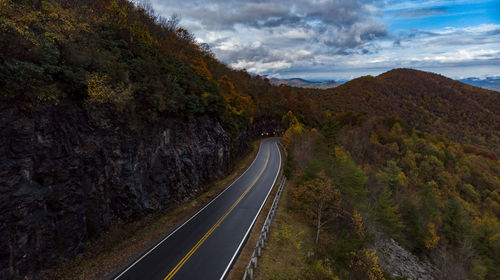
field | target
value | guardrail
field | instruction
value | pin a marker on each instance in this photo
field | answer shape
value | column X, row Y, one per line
column 264, row 233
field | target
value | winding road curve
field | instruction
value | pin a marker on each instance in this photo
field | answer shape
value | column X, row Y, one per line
column 207, row 244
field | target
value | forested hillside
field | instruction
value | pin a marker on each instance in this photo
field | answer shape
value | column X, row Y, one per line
column 114, row 52
column 109, row 112
column 366, row 177
column 359, row 181
column 425, row 101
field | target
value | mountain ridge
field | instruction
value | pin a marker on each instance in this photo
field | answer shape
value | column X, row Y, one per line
column 491, row 83
column 425, row 101
column 303, row 83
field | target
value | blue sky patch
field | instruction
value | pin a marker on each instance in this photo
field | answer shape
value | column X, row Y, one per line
column 344, row 39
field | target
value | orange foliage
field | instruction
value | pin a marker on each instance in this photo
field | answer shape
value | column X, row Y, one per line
column 318, row 199
column 236, row 103
column 200, row 67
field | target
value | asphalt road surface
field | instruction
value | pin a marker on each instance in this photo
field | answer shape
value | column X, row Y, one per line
column 207, row 244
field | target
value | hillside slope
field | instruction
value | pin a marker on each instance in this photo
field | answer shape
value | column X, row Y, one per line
column 409, row 196
column 109, row 111
column 425, row 101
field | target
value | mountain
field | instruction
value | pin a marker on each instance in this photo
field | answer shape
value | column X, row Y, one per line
column 402, row 180
column 425, row 101
column 109, row 113
column 492, row 83
column 297, row 82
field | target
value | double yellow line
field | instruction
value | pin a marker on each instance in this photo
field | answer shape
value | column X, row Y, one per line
column 212, row 229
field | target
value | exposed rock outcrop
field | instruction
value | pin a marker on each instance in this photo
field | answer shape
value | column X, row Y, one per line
column 67, row 174
column 399, row 262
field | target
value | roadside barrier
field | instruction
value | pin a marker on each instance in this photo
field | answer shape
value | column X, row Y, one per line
column 264, row 233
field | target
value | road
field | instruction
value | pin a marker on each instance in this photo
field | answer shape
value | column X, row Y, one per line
column 207, row 244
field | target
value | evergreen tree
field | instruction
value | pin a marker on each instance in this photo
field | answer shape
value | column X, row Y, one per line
column 386, row 212
column 455, row 222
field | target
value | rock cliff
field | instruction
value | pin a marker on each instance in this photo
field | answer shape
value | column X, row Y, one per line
column 401, row 263
column 67, row 174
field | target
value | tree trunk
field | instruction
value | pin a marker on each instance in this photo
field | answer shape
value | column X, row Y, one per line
column 318, row 227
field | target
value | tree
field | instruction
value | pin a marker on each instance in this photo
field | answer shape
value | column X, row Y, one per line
column 455, row 222
column 101, row 90
column 350, row 180
column 200, row 67
column 432, row 239
column 392, row 177
column 428, row 200
column 330, row 131
column 236, row 103
column 295, row 129
column 319, row 199
column 386, row 212
column 364, row 265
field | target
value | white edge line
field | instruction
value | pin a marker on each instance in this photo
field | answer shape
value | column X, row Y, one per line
column 253, row 222
column 159, row 243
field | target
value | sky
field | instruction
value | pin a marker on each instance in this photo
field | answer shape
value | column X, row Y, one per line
column 345, row 39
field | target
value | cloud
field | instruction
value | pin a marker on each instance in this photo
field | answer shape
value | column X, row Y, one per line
column 354, row 35
column 422, row 13
column 310, row 38
column 339, row 24
column 477, row 35
column 227, row 15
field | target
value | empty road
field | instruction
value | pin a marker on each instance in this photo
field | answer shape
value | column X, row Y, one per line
column 206, row 245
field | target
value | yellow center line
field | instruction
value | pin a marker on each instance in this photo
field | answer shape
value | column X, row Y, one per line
column 212, row 229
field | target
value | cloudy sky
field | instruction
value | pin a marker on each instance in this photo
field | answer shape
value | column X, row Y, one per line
column 344, row 39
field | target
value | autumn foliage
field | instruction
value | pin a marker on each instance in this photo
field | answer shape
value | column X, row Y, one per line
column 409, row 153
column 436, row 197
column 318, row 199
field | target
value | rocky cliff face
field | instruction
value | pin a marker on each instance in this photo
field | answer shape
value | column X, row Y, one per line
column 401, row 263
column 66, row 174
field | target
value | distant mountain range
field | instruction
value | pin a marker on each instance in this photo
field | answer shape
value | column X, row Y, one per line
column 492, row 83
column 297, row 82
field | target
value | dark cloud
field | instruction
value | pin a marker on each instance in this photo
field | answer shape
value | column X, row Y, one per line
column 346, row 23
column 251, row 54
column 319, row 36
column 225, row 16
column 354, row 36
column 275, row 22
column 422, row 13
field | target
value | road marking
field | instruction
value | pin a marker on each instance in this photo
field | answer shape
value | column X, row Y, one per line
column 172, row 233
column 212, row 229
column 254, row 219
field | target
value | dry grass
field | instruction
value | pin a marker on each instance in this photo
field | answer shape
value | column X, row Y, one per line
column 122, row 244
column 290, row 246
